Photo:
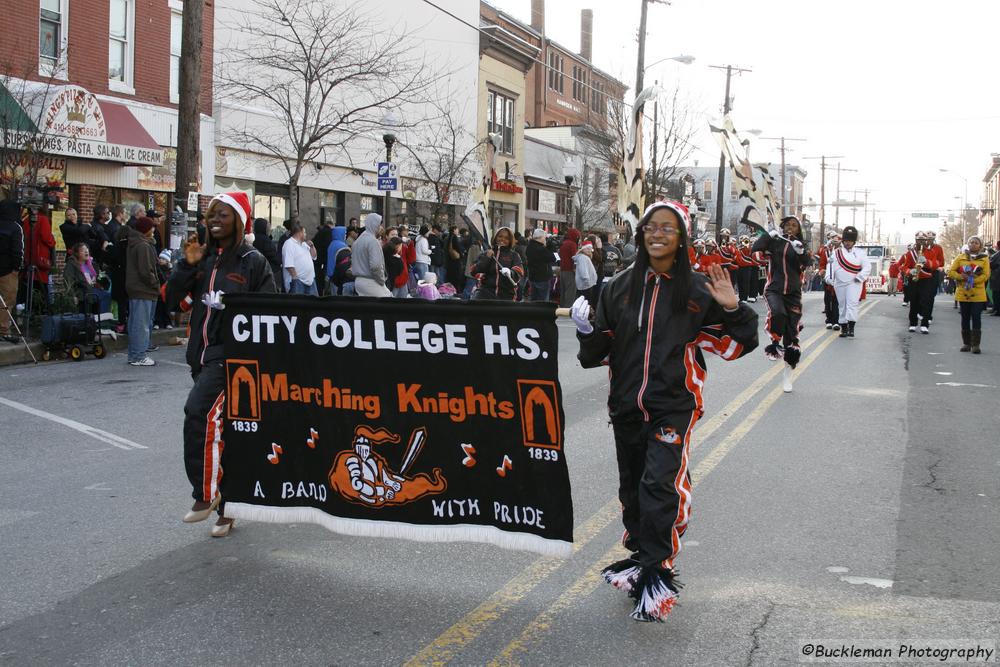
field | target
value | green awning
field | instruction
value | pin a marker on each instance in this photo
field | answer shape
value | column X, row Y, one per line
column 12, row 116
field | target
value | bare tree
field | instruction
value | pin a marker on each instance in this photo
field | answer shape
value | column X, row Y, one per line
column 23, row 138
column 324, row 71
column 671, row 141
column 952, row 239
column 443, row 152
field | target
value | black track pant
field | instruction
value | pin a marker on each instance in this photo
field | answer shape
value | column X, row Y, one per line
column 744, row 279
column 831, row 307
column 654, row 486
column 203, row 414
column 922, row 293
column 784, row 311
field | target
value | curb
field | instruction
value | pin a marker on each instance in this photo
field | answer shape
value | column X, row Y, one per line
column 14, row 353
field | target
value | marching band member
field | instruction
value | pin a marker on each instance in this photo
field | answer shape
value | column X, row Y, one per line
column 847, row 272
column 653, row 322
column 971, row 273
column 746, row 270
column 830, row 306
column 227, row 264
column 783, row 292
column 936, row 253
column 729, row 253
column 921, row 264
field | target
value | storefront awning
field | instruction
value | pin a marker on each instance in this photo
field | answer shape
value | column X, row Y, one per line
column 69, row 120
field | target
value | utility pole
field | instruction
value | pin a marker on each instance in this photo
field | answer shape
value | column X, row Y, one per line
column 189, row 92
column 836, row 214
column 822, row 193
column 726, row 108
column 640, row 69
column 784, row 192
column 654, row 174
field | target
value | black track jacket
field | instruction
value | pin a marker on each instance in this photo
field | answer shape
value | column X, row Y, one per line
column 655, row 354
column 784, row 270
column 245, row 271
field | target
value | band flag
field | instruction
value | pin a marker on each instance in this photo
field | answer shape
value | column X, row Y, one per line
column 431, row 421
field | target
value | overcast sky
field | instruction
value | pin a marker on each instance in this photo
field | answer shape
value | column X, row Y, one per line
column 900, row 88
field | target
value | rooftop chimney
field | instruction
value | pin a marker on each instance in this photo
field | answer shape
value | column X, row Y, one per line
column 586, row 33
column 538, row 15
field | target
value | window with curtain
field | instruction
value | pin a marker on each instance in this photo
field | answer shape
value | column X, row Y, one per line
column 50, row 32
column 500, row 120
column 119, row 60
column 176, row 22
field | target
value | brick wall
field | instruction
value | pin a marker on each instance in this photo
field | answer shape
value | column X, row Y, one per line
column 87, row 50
column 86, row 200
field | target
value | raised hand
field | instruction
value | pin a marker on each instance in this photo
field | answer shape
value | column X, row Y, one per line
column 193, row 251
column 721, row 287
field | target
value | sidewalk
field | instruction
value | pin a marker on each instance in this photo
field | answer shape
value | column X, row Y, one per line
column 15, row 353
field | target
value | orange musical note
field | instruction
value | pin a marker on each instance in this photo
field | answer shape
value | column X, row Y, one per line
column 313, row 438
column 275, row 454
column 505, row 466
column 469, row 459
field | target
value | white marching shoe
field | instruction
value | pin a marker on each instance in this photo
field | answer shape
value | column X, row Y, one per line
column 786, row 380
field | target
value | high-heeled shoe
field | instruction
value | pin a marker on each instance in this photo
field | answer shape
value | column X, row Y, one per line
column 201, row 510
column 222, row 527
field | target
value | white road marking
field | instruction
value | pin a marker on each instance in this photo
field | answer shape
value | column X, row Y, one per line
column 965, row 384
column 100, row 486
column 942, row 373
column 837, row 569
column 173, row 363
column 871, row 581
column 96, row 433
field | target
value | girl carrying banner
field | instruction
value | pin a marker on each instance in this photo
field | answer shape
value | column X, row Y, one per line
column 227, row 263
column 653, row 321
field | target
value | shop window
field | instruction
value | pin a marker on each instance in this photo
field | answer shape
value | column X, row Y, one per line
column 369, row 205
column 597, row 103
column 272, row 208
column 121, row 46
column 707, row 185
column 176, row 30
column 52, row 33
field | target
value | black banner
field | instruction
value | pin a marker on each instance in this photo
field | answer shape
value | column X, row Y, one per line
column 433, row 421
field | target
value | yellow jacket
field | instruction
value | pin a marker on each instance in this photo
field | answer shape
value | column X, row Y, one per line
column 978, row 291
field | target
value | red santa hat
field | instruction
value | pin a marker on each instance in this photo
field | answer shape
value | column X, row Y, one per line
column 240, row 202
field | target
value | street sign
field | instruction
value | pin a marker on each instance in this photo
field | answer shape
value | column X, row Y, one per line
column 192, row 201
column 924, row 215
column 387, row 170
column 387, row 183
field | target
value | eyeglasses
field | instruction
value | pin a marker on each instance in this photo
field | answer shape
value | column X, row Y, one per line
column 652, row 230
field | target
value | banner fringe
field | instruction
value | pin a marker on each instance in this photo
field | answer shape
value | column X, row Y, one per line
column 400, row 530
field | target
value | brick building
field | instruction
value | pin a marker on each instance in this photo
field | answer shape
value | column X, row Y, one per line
column 94, row 84
column 989, row 222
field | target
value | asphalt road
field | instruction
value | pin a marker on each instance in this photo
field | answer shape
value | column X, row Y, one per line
column 862, row 508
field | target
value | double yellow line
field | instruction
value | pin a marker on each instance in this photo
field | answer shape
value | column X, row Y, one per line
column 458, row 636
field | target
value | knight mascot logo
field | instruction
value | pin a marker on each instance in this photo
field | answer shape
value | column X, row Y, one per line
column 362, row 476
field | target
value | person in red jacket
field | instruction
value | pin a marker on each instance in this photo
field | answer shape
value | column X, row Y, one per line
column 40, row 245
column 891, row 286
column 921, row 263
column 567, row 268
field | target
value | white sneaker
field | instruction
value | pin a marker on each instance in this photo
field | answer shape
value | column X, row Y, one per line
column 829, row 326
column 924, row 330
column 835, row 327
column 145, row 361
column 912, row 329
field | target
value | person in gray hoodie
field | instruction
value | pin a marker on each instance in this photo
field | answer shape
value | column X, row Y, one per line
column 367, row 261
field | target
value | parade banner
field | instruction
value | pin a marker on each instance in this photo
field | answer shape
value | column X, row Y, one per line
column 431, row 421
